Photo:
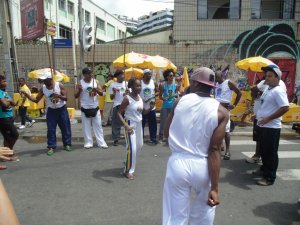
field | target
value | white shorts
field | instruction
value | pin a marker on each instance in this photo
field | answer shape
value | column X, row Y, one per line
column 227, row 128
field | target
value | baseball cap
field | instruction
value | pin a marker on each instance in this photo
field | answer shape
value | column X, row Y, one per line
column 46, row 75
column 86, row 70
column 204, row 75
column 147, row 71
column 274, row 68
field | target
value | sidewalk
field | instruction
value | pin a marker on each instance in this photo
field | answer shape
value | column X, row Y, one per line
column 38, row 132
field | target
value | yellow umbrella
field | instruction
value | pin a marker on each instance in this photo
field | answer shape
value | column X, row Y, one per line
column 157, row 62
column 58, row 76
column 133, row 72
column 185, row 80
column 253, row 63
column 130, row 59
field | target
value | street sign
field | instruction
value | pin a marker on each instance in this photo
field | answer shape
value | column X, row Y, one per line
column 62, row 43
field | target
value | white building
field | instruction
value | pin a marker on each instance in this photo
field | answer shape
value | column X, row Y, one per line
column 130, row 22
column 65, row 14
column 155, row 20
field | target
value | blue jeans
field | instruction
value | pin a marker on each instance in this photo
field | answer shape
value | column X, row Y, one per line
column 23, row 115
column 151, row 118
column 60, row 117
column 163, row 116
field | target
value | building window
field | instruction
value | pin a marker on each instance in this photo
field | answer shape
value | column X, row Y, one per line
column 47, row 4
column 87, row 17
column 65, row 32
column 62, row 5
column 100, row 24
column 218, row 9
column 277, row 9
column 110, row 31
column 70, row 8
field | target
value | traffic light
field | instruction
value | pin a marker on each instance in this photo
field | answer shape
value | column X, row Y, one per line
column 86, row 38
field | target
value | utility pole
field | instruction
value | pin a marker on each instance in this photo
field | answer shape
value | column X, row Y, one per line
column 9, row 49
column 82, row 63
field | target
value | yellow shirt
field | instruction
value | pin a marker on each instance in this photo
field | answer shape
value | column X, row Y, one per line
column 107, row 93
column 25, row 89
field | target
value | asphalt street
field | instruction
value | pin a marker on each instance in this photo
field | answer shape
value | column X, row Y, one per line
column 86, row 187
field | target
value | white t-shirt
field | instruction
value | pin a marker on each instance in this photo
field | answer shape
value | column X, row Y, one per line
column 195, row 119
column 262, row 86
column 134, row 110
column 48, row 95
column 272, row 100
column 120, row 87
column 223, row 92
column 86, row 101
column 148, row 93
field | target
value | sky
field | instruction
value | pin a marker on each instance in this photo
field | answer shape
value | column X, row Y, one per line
column 134, row 8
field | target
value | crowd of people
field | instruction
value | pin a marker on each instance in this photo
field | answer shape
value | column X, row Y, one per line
column 195, row 141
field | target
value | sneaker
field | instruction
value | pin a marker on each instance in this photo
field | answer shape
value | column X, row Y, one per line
column 88, row 146
column 104, row 147
column 67, row 148
column 264, row 182
column 253, row 159
column 116, row 143
column 27, row 124
column 50, row 151
column 31, row 123
column 258, row 172
column 21, row 127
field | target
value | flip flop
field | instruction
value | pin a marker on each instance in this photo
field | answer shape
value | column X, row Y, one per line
column 3, row 167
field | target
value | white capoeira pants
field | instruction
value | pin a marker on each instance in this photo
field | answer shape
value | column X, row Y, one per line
column 92, row 123
column 187, row 173
column 134, row 144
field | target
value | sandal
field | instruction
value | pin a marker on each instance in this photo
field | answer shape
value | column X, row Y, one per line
column 226, row 156
column 3, row 167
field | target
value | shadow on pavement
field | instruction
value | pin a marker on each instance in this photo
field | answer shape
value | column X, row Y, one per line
column 238, row 174
column 103, row 174
column 279, row 213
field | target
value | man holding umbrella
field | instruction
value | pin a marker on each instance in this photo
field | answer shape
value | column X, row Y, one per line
column 57, row 113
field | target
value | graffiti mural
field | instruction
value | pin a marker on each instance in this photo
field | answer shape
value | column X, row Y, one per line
column 101, row 71
column 265, row 40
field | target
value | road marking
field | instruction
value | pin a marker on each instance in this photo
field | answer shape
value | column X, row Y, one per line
column 250, row 142
column 289, row 174
column 281, row 154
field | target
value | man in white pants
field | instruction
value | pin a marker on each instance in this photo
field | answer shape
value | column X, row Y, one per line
column 88, row 90
column 196, row 128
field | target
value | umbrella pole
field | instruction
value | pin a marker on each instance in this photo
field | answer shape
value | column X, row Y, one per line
column 254, row 78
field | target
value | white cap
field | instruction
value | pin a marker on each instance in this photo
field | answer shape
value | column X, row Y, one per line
column 147, row 71
column 46, row 75
column 274, row 68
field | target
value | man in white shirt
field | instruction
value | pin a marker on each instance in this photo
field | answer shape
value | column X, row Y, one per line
column 274, row 103
column 196, row 128
column 117, row 92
